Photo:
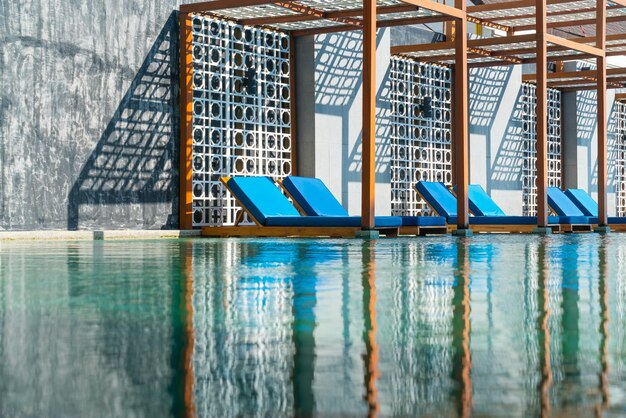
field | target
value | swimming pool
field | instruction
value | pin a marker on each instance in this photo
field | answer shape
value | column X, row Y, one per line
column 490, row 326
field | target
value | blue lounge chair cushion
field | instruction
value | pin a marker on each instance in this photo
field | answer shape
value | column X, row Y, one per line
column 574, row 220
column 332, row 221
column 583, row 201
column 261, row 197
column 561, row 204
column 589, row 207
column 312, row 195
column 423, row 221
column 481, row 204
column 611, row 219
column 438, row 197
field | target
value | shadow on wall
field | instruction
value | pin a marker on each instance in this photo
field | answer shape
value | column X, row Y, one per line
column 613, row 150
column 487, row 91
column 338, row 72
column 586, row 125
column 506, row 170
column 135, row 163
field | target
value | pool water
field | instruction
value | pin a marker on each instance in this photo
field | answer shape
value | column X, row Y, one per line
column 487, row 326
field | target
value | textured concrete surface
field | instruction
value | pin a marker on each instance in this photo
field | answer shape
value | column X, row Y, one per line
column 88, row 114
column 330, row 116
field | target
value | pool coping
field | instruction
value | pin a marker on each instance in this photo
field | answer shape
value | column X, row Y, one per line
column 96, row 235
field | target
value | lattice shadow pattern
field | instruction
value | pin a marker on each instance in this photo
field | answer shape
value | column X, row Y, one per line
column 529, row 167
column 421, row 131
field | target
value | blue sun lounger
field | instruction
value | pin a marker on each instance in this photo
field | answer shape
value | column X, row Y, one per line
column 314, row 199
column 564, row 207
column 481, row 204
column 274, row 215
column 589, row 208
column 443, row 202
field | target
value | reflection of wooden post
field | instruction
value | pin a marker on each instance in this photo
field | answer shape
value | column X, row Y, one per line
column 185, row 216
column 604, row 327
column 602, row 112
column 542, row 111
column 461, row 110
column 186, row 259
column 461, row 327
column 368, row 141
column 543, row 301
column 371, row 328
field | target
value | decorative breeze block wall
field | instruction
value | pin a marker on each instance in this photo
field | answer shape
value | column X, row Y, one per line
column 529, row 133
column 617, row 150
column 421, row 144
column 241, row 112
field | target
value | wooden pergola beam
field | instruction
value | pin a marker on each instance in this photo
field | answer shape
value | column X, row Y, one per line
column 542, row 112
column 572, row 23
column 574, row 46
column 209, row 6
column 185, row 216
column 461, row 118
column 611, row 72
column 509, row 5
column 319, row 15
column 381, row 24
column 368, row 145
column 601, row 69
column 454, row 12
column 620, row 97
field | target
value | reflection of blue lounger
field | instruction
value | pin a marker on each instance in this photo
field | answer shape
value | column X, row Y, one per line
column 274, row 215
column 481, row 204
column 315, row 200
column 589, row 207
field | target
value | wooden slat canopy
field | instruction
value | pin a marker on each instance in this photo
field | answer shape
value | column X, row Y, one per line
column 559, row 33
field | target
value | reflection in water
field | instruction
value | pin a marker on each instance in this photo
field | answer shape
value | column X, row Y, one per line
column 303, row 308
column 604, row 327
column 514, row 326
column 371, row 328
column 543, row 303
column 461, row 330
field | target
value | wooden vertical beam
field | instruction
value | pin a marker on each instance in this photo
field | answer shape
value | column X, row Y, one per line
column 602, row 112
column 292, row 105
column 185, row 214
column 542, row 112
column 461, row 110
column 368, row 145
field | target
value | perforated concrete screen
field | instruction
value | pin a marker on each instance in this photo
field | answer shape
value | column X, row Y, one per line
column 241, row 112
column 529, row 132
column 421, row 131
column 619, row 157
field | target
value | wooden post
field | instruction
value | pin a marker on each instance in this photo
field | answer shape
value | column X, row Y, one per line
column 292, row 105
column 602, row 112
column 185, row 216
column 368, row 142
column 461, row 110
column 542, row 111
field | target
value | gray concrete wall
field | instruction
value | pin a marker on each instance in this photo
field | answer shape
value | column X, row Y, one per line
column 496, row 134
column 88, row 114
column 329, row 111
column 580, row 140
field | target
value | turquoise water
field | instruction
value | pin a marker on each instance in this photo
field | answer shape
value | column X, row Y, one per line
column 491, row 326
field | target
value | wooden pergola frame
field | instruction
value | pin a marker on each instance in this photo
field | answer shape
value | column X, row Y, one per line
column 305, row 17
